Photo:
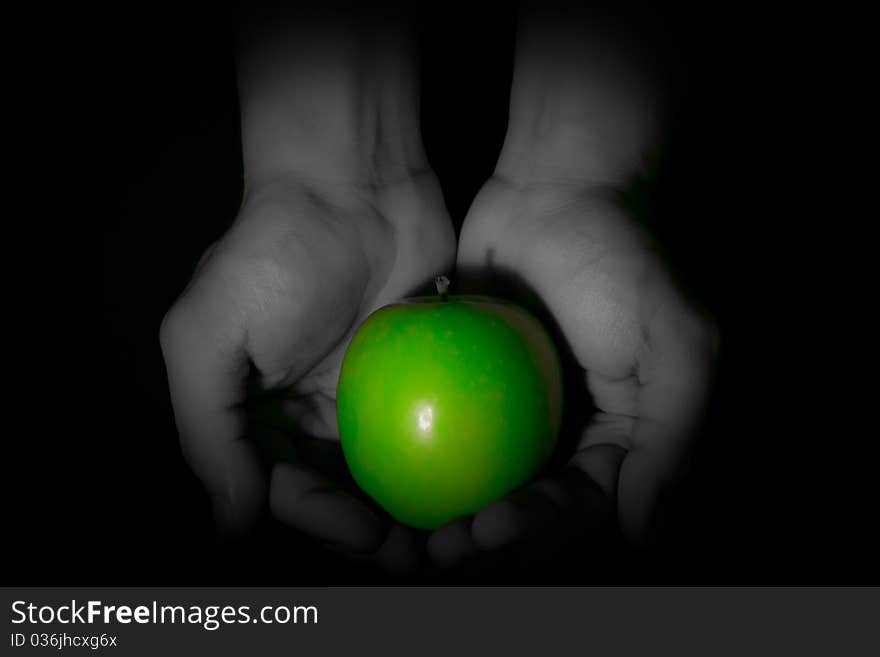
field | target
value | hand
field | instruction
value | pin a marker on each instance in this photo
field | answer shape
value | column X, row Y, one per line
column 644, row 354
column 282, row 293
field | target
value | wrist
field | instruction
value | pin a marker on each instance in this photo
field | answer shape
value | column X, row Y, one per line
column 342, row 151
column 328, row 102
column 566, row 153
column 558, row 134
column 586, row 100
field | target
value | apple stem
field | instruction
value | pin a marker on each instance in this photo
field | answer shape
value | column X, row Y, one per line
column 442, row 283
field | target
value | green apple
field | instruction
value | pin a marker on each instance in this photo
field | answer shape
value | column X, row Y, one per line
column 447, row 403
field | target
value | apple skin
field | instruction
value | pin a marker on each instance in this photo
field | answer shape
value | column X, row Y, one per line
column 446, row 404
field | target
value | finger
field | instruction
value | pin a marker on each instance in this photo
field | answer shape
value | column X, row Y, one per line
column 675, row 372
column 545, row 513
column 602, row 449
column 402, row 553
column 314, row 414
column 311, row 503
column 516, row 518
column 452, row 544
column 206, row 369
column 283, row 437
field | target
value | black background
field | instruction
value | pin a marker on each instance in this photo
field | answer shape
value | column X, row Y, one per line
column 99, row 492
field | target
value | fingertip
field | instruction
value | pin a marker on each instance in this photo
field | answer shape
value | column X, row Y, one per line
column 497, row 525
column 452, row 544
column 231, row 524
column 646, row 477
column 238, row 495
column 223, row 518
column 307, row 501
column 402, row 552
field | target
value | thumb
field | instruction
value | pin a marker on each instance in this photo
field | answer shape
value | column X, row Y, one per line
column 675, row 374
column 207, row 368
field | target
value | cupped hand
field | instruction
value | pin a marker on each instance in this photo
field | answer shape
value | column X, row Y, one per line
column 254, row 344
column 642, row 351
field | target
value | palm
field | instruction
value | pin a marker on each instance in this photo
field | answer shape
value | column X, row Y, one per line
column 583, row 261
column 308, row 269
column 572, row 250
